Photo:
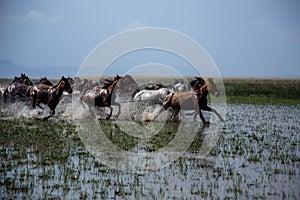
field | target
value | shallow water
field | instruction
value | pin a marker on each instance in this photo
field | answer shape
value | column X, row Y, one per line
column 257, row 156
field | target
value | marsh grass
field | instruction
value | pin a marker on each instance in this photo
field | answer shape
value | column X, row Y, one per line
column 256, row 157
column 262, row 91
column 256, row 153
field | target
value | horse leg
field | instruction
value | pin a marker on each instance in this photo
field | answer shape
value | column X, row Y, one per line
column 175, row 114
column 119, row 109
column 33, row 101
column 111, row 110
column 52, row 112
column 38, row 105
column 202, row 118
column 207, row 108
column 5, row 96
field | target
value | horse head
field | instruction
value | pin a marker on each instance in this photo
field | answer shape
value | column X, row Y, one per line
column 197, row 83
column 25, row 79
column 107, row 83
column 70, row 80
column 16, row 80
column 45, row 81
column 200, row 79
column 114, row 83
column 117, row 78
column 65, row 85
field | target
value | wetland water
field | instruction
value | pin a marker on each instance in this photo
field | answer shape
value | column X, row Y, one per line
column 257, row 156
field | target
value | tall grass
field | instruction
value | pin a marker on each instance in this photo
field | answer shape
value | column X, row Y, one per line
column 285, row 91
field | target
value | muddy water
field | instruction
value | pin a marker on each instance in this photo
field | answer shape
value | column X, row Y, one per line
column 257, row 157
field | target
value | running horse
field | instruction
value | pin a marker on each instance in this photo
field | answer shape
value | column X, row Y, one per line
column 19, row 87
column 193, row 100
column 22, row 79
column 45, row 81
column 103, row 97
column 49, row 95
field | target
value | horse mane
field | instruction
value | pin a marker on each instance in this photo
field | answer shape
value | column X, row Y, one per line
column 111, row 87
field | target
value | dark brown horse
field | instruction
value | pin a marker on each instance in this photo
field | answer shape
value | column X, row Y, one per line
column 19, row 88
column 197, row 82
column 193, row 100
column 102, row 97
column 45, row 81
column 49, row 95
column 22, row 79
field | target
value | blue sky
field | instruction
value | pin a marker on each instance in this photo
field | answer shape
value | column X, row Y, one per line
column 253, row 38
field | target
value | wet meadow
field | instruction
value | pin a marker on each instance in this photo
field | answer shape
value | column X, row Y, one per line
column 257, row 155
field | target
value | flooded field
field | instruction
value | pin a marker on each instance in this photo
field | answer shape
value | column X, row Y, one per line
column 257, row 156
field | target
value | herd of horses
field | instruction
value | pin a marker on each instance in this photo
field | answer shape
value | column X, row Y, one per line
column 191, row 96
column 44, row 92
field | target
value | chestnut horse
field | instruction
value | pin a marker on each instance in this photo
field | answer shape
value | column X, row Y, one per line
column 102, row 97
column 193, row 100
column 49, row 95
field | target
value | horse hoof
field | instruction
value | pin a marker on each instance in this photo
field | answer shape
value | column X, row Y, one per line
column 205, row 124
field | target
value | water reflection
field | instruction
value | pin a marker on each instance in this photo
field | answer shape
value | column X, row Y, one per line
column 256, row 157
column 127, row 153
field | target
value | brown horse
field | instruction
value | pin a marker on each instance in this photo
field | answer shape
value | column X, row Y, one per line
column 49, row 95
column 197, row 82
column 193, row 100
column 102, row 97
column 45, row 81
column 19, row 88
column 22, row 79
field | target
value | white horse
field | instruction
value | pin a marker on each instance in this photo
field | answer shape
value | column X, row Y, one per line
column 153, row 96
column 180, row 87
column 146, row 104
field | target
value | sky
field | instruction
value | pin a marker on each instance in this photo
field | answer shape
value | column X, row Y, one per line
column 248, row 38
